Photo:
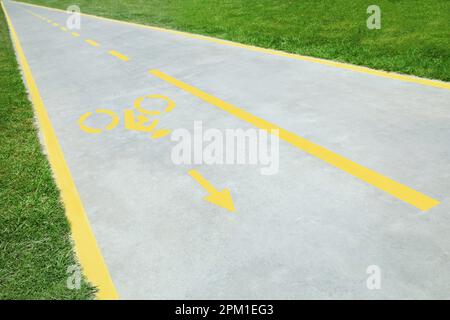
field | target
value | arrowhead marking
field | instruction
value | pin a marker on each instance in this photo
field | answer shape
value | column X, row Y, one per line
column 222, row 199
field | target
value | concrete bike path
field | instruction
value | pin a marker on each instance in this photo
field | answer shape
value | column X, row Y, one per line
column 309, row 231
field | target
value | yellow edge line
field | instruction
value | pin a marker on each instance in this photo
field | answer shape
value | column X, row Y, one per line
column 86, row 248
column 92, row 42
column 394, row 188
column 341, row 65
column 118, row 55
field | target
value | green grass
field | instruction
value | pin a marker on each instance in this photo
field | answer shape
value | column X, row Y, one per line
column 414, row 37
column 35, row 243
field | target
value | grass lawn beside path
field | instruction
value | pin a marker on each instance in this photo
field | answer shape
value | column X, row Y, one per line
column 414, row 37
column 35, row 243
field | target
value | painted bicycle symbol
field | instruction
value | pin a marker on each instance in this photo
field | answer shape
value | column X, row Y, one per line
column 136, row 119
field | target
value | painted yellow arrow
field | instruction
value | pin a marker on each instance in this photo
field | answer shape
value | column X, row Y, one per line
column 394, row 188
column 219, row 198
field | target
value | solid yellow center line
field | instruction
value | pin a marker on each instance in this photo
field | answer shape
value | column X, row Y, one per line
column 75, row 34
column 118, row 55
column 92, row 42
column 394, row 188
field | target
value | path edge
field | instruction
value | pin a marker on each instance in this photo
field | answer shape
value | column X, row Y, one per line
column 85, row 244
column 341, row 65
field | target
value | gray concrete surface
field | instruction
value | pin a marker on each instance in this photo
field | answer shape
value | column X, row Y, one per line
column 310, row 231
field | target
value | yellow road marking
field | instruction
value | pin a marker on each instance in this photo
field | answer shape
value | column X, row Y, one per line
column 63, row 29
column 118, row 55
column 160, row 133
column 137, row 104
column 396, row 189
column 86, row 247
column 114, row 121
column 75, row 34
column 92, row 42
column 341, row 65
column 219, row 198
column 55, row 24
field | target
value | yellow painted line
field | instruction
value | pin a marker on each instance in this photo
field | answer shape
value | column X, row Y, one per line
column 341, row 65
column 75, row 34
column 118, row 55
column 92, row 42
column 86, row 247
column 55, row 24
column 394, row 188
column 219, row 198
column 63, row 29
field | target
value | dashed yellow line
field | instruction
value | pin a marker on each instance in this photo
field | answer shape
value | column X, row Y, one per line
column 394, row 188
column 335, row 64
column 118, row 55
column 92, row 42
column 89, row 41
column 86, row 247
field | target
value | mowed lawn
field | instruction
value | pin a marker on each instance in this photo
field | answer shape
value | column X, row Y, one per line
column 35, row 243
column 414, row 37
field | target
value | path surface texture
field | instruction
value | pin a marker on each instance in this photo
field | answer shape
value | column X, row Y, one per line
column 359, row 205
